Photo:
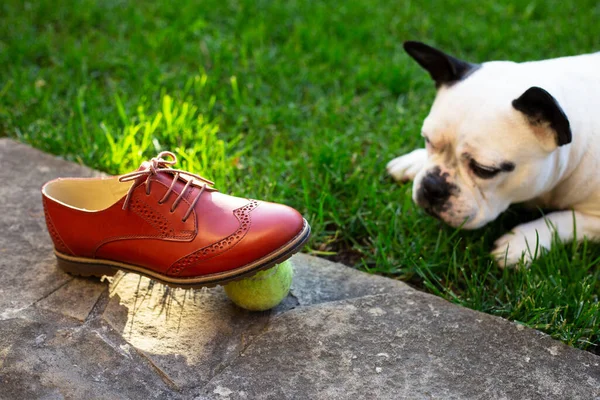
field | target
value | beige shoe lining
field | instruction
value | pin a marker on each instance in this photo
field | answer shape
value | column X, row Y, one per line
column 87, row 194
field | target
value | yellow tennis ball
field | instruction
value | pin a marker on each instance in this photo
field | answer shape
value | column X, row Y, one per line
column 264, row 290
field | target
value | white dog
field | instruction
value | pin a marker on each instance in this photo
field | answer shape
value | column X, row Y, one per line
column 500, row 133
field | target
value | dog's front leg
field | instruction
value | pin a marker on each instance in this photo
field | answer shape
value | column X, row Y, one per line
column 528, row 240
column 406, row 167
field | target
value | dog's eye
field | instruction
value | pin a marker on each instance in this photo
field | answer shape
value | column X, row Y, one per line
column 482, row 171
column 428, row 143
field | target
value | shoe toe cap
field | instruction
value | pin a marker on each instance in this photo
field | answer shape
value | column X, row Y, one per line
column 273, row 226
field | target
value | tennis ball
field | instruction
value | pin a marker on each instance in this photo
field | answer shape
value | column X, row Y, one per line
column 264, row 290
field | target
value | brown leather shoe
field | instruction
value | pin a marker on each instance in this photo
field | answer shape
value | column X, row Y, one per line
column 167, row 224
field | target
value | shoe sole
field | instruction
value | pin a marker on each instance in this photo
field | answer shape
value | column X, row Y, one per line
column 81, row 266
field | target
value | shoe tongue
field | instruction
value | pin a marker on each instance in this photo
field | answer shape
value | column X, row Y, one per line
column 141, row 179
column 145, row 165
column 167, row 178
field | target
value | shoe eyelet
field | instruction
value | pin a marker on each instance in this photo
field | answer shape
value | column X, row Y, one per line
column 161, row 202
column 171, row 211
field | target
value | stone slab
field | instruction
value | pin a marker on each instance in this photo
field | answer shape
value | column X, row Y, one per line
column 75, row 299
column 406, row 345
column 318, row 281
column 27, row 264
column 189, row 334
column 52, row 357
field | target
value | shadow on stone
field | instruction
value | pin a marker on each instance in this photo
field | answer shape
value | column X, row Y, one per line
column 189, row 335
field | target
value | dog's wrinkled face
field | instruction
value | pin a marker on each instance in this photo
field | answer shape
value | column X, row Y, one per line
column 479, row 161
column 489, row 142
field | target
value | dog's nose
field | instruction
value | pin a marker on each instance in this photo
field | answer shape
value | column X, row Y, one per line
column 434, row 190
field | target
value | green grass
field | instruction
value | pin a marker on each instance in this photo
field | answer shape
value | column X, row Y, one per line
column 300, row 102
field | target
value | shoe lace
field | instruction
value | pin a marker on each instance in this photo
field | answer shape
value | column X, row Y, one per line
column 160, row 164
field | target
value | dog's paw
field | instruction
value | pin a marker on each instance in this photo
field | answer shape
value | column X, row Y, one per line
column 406, row 167
column 526, row 242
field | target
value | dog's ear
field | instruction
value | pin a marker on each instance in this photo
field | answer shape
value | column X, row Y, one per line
column 543, row 112
column 443, row 68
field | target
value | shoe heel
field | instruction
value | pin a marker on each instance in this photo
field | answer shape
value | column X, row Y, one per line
column 85, row 269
